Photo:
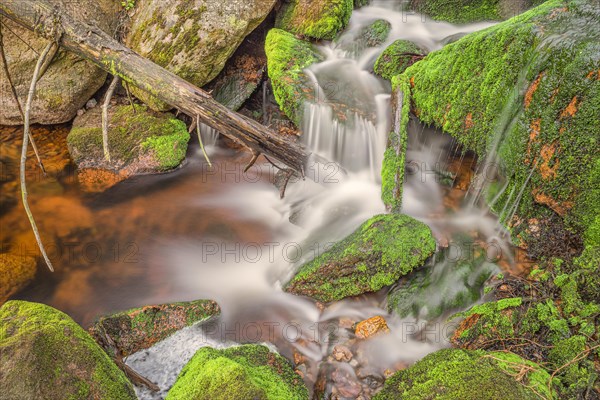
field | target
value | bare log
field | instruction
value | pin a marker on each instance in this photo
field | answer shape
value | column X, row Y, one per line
column 90, row 42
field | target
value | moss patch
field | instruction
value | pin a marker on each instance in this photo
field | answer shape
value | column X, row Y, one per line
column 318, row 19
column 142, row 141
column 377, row 254
column 467, row 375
column 45, row 354
column 244, row 372
column 287, row 57
column 141, row 328
column 397, row 57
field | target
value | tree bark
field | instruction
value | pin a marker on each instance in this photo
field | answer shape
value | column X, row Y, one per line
column 54, row 23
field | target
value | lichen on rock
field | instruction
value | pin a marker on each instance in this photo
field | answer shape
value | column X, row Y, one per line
column 242, row 372
column 377, row 254
column 46, row 355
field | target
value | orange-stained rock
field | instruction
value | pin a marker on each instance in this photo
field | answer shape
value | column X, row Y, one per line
column 371, row 326
column 15, row 273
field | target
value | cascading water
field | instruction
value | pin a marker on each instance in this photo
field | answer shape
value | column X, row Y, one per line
column 347, row 123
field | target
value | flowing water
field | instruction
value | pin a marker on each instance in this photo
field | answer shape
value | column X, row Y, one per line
column 223, row 234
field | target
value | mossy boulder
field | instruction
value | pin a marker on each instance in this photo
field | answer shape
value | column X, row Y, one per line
column 139, row 140
column 243, row 372
column 68, row 83
column 513, row 91
column 46, row 355
column 287, row 57
column 140, row 328
column 317, row 19
column 397, row 57
column 372, row 35
column 191, row 38
column 377, row 254
column 451, row 374
column 449, row 285
column 466, row 11
column 15, row 273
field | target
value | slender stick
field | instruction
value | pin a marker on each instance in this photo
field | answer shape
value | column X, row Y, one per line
column 16, row 96
column 200, row 140
column 129, row 97
column 30, row 95
column 107, row 97
column 49, row 59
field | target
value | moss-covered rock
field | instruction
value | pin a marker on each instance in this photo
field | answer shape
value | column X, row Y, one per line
column 377, row 254
column 192, row 38
column 287, row 57
column 15, row 273
column 430, row 292
column 466, row 11
column 397, row 57
column 513, row 91
column 317, row 19
column 468, row 375
column 68, row 83
column 46, row 355
column 139, row 141
column 372, row 35
column 140, row 328
column 243, row 372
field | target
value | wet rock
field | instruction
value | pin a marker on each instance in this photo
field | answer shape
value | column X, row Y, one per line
column 15, row 273
column 91, row 103
column 377, row 254
column 458, row 374
column 397, row 57
column 69, row 80
column 371, row 327
column 242, row 372
column 46, row 355
column 287, row 57
column 342, row 353
column 372, row 35
column 139, row 141
column 133, row 330
column 192, row 39
column 448, row 285
column 318, row 19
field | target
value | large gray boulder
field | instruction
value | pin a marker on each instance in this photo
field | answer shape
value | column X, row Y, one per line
column 68, row 82
column 192, row 38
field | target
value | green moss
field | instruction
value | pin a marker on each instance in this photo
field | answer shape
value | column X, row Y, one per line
column 494, row 320
column 287, row 57
column 511, row 90
column 131, row 137
column 467, row 375
column 377, row 254
column 396, row 58
column 392, row 170
column 318, row 19
column 243, row 372
column 52, row 357
column 376, row 33
column 459, row 11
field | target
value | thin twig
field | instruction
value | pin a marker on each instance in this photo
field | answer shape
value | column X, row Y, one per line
column 107, row 97
column 16, row 96
column 129, row 97
column 49, row 59
column 30, row 95
column 255, row 156
column 579, row 357
column 200, row 140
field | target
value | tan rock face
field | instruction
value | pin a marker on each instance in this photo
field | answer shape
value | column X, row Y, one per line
column 68, row 82
column 192, row 38
column 15, row 273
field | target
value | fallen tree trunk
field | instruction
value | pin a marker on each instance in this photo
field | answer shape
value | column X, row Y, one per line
column 54, row 23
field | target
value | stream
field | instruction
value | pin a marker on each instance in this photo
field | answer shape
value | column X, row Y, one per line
column 223, row 234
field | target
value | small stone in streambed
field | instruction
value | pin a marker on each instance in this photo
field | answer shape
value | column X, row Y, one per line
column 371, row 327
column 342, row 353
column 91, row 103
